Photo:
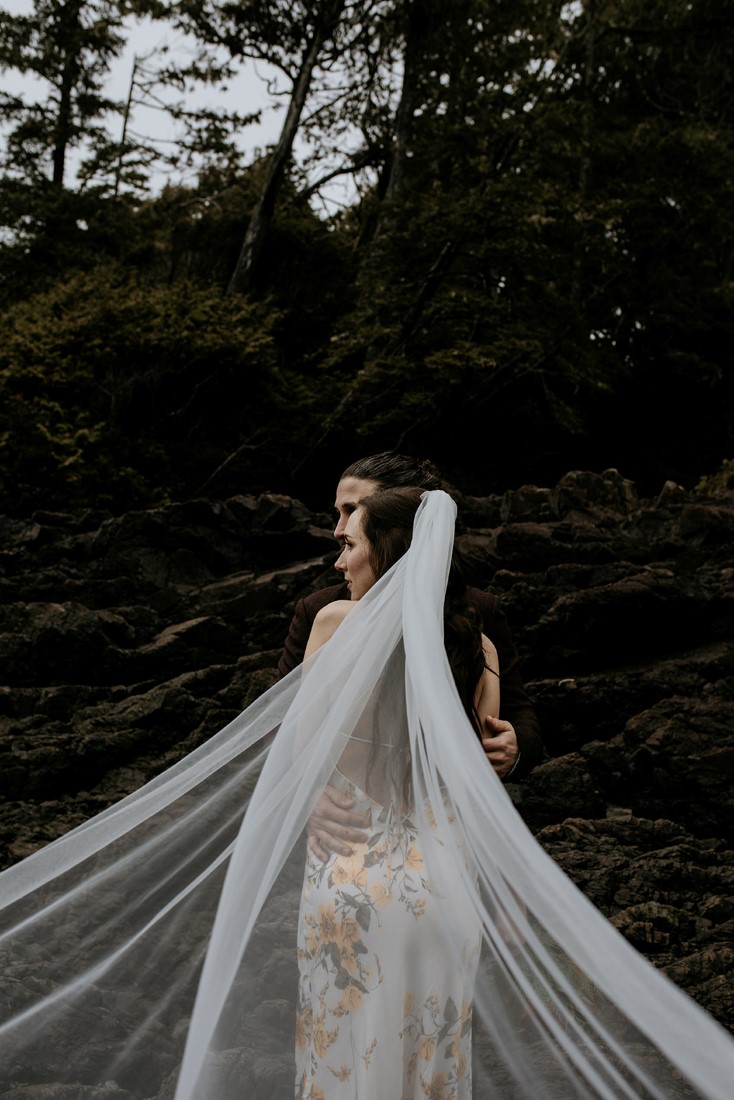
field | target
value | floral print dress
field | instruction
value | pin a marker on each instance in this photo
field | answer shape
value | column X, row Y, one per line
column 384, row 1012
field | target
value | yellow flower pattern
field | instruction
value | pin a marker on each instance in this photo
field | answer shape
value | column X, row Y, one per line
column 378, row 997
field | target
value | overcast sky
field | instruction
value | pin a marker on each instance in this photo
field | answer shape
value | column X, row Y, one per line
column 248, row 92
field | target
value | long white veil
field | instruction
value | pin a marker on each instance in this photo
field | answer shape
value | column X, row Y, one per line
column 152, row 952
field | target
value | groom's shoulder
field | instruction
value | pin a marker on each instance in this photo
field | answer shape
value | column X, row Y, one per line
column 486, row 603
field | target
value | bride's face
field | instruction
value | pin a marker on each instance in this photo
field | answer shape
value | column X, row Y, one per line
column 354, row 560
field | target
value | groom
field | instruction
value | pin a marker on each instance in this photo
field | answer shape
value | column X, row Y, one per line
column 512, row 743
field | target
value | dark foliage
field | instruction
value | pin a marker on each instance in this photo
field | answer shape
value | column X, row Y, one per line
column 536, row 275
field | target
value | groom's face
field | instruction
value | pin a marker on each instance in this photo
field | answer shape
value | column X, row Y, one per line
column 348, row 492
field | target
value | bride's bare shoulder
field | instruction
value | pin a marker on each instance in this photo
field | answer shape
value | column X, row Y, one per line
column 325, row 623
column 333, row 613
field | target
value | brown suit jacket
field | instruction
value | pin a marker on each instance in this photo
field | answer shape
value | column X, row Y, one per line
column 515, row 706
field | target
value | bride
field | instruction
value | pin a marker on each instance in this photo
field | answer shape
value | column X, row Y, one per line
column 183, row 944
column 388, row 945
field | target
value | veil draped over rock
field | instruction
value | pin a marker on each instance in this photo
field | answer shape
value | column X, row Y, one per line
column 151, row 952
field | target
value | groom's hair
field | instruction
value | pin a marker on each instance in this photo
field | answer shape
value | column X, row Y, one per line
column 392, row 471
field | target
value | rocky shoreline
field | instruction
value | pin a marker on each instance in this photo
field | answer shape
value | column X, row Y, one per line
column 127, row 641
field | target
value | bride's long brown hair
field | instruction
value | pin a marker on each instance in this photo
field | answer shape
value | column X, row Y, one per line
column 387, row 523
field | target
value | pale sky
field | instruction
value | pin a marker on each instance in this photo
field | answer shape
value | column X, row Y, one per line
column 247, row 92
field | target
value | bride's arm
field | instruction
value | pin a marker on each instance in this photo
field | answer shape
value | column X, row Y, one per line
column 487, row 694
column 499, row 739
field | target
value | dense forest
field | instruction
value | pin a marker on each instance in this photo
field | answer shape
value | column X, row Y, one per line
column 535, row 274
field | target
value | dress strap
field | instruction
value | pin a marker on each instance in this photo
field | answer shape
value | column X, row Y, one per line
column 367, row 740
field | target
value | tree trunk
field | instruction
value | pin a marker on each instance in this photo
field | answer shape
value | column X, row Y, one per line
column 71, row 37
column 247, row 263
column 125, row 122
column 406, row 106
column 587, row 125
column 391, row 179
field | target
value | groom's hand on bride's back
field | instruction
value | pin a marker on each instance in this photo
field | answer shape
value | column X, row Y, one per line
column 333, row 827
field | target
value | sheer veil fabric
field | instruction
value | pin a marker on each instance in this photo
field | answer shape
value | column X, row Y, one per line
column 159, row 950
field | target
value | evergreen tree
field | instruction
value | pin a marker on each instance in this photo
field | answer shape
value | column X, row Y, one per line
column 308, row 43
column 68, row 45
column 538, row 263
column 562, row 182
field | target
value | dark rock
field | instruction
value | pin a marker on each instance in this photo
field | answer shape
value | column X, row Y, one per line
column 127, row 641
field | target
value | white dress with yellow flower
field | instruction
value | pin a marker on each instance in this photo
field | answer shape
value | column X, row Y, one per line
column 384, row 1013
